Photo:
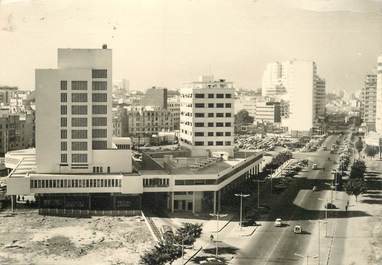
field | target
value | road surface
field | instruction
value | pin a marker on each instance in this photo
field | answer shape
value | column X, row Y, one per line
column 299, row 205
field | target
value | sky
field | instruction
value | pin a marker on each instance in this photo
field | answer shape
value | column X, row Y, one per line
column 169, row 42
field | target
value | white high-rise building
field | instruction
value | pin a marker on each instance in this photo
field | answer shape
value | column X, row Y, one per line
column 296, row 82
column 207, row 116
column 75, row 103
column 369, row 101
column 378, row 122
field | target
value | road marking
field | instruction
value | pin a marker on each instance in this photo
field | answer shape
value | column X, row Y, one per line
column 282, row 234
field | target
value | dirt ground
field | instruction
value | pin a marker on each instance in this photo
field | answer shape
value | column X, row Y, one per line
column 28, row 238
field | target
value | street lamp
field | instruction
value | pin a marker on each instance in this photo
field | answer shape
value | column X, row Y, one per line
column 307, row 257
column 241, row 195
column 217, row 228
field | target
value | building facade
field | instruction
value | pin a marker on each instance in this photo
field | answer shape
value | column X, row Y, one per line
column 268, row 112
column 207, row 116
column 368, row 106
column 155, row 97
column 173, row 106
column 378, row 122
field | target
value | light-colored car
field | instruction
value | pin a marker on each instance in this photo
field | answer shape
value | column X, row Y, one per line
column 297, row 229
column 278, row 222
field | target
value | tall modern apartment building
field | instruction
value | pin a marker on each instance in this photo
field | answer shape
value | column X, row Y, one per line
column 273, row 80
column 207, row 116
column 369, row 101
column 75, row 103
column 378, row 122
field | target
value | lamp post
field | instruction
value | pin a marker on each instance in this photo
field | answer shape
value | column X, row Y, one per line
column 241, row 195
column 217, row 228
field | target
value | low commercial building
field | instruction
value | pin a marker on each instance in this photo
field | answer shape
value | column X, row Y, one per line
column 174, row 107
column 268, row 112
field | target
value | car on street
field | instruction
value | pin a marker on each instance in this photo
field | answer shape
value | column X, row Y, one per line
column 314, row 166
column 297, row 229
column 330, row 205
column 278, row 222
column 248, row 222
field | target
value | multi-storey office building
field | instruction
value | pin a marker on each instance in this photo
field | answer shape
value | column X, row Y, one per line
column 155, row 97
column 368, row 101
column 268, row 112
column 207, row 116
column 378, row 122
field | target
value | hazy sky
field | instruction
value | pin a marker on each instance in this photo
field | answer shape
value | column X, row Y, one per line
column 168, row 42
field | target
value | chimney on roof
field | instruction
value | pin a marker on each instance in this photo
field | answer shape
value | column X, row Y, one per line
column 104, row 46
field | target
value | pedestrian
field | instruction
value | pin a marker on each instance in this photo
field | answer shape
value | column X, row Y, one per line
column 212, row 237
column 346, row 208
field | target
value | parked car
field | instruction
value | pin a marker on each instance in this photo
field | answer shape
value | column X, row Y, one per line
column 278, row 222
column 330, row 205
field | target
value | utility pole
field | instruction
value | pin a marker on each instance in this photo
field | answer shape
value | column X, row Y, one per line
column 241, row 195
column 217, row 229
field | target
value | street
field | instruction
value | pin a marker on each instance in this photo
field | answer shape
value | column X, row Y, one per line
column 299, row 205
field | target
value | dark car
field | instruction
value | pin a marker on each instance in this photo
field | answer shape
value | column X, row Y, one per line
column 248, row 222
column 330, row 205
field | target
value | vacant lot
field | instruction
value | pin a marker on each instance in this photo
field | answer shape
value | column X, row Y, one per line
column 27, row 238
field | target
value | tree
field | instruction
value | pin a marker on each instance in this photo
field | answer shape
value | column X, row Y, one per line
column 358, row 169
column 359, row 146
column 371, row 151
column 242, row 117
column 355, row 187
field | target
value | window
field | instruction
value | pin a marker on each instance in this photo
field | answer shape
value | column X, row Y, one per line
column 99, row 109
column 227, row 105
column 210, row 124
column 199, row 105
column 228, row 115
column 199, row 143
column 99, row 73
column 199, row 115
column 79, row 158
column 228, row 95
column 210, row 105
column 220, row 105
column 210, row 115
column 219, row 143
column 99, row 97
column 99, row 133
column 99, row 121
column 64, row 122
column 79, row 97
column 219, row 124
column 210, row 143
column 227, row 124
column 210, row 134
column 199, row 124
column 79, row 85
column 227, row 133
column 64, row 110
column 219, row 95
column 219, row 133
column 99, row 85
column 79, row 146
column 199, row 95
column 210, row 95
column 64, row 134
column 219, row 115
column 79, row 134
column 79, row 122
column 64, row 146
column 199, row 133
column 228, row 143
column 64, row 85
column 64, row 158
column 64, row 97
column 80, row 110
column 99, row 145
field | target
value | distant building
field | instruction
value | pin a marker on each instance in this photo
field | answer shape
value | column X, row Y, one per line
column 369, row 101
column 246, row 103
column 207, row 116
column 268, row 112
column 120, row 122
column 6, row 94
column 16, row 132
column 155, row 97
column 378, row 122
column 173, row 106
column 273, row 82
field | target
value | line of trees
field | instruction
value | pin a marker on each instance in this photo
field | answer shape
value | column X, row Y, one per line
column 169, row 248
column 356, row 184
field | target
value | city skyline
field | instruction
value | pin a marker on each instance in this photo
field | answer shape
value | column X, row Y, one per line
column 161, row 43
